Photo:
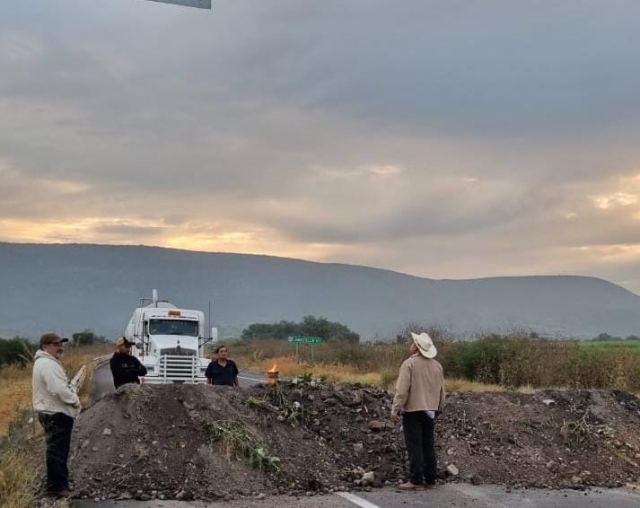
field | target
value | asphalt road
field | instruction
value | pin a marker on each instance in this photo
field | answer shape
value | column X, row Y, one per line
column 450, row 495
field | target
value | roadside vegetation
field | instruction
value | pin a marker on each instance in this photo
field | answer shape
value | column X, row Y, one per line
column 310, row 326
column 514, row 361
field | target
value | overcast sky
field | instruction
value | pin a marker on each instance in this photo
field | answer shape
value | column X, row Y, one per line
column 451, row 139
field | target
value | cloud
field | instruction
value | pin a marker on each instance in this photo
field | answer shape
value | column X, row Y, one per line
column 446, row 140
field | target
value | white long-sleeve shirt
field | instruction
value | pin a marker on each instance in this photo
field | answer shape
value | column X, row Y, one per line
column 51, row 390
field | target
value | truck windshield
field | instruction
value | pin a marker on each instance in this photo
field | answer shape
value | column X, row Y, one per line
column 173, row 327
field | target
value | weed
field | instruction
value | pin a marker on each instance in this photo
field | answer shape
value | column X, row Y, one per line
column 241, row 443
column 577, row 431
column 256, row 402
column 262, row 461
column 306, row 378
column 293, row 412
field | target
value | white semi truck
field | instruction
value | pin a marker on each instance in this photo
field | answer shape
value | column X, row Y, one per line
column 169, row 341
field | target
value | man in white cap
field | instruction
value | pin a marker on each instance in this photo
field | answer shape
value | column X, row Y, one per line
column 420, row 398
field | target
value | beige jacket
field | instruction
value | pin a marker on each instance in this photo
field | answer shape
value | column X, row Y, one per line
column 51, row 390
column 420, row 386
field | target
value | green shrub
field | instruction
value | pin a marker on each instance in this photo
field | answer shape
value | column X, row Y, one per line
column 16, row 351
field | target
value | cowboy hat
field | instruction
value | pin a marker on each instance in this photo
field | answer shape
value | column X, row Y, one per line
column 425, row 344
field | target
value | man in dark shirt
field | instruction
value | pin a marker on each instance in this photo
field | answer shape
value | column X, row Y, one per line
column 124, row 367
column 222, row 371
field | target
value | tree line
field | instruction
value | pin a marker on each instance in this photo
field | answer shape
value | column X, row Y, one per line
column 20, row 350
column 310, row 326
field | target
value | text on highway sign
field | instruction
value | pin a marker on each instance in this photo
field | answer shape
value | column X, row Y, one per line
column 306, row 340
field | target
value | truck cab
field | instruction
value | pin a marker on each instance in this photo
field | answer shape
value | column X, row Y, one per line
column 169, row 342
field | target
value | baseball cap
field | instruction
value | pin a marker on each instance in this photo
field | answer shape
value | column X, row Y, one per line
column 50, row 338
column 123, row 342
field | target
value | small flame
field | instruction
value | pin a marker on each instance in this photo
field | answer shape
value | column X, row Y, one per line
column 274, row 368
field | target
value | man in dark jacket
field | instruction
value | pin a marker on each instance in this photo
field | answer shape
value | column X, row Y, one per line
column 124, row 367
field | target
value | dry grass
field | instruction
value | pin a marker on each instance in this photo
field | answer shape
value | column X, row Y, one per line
column 18, row 480
column 341, row 373
column 463, row 385
column 15, row 394
column 335, row 373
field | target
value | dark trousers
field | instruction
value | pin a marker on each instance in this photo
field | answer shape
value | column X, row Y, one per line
column 57, row 431
column 420, row 439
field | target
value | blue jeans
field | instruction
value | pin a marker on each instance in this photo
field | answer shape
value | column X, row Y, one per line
column 419, row 437
column 57, row 432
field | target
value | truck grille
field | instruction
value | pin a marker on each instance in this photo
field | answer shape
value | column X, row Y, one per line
column 179, row 369
column 178, row 351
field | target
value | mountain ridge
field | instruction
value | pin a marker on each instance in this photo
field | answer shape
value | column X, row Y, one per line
column 77, row 286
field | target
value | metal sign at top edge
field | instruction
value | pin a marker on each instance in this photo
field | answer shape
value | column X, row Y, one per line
column 200, row 4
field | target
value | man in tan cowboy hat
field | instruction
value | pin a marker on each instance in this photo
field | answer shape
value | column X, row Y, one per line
column 420, row 398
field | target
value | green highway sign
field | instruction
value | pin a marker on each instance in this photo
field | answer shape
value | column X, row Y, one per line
column 305, row 340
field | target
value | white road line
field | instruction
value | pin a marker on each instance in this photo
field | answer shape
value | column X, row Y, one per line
column 357, row 500
column 251, row 378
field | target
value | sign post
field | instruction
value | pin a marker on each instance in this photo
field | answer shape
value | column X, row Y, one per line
column 305, row 340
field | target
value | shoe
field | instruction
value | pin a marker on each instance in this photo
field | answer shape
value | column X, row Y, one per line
column 410, row 486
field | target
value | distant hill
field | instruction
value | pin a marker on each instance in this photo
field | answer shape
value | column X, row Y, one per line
column 72, row 287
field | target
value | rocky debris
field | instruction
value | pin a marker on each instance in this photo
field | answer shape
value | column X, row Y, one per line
column 217, row 443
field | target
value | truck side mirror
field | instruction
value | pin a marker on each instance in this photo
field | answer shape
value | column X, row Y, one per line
column 214, row 334
column 139, row 345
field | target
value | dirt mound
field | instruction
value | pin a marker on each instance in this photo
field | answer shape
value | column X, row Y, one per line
column 548, row 439
column 204, row 442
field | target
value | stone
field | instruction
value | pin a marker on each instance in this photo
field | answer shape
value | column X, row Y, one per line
column 377, row 425
column 368, row 478
column 452, row 470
